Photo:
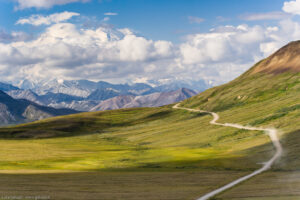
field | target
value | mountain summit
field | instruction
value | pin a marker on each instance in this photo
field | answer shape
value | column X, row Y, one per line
column 286, row 59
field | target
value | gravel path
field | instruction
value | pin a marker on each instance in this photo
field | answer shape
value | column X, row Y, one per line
column 266, row 166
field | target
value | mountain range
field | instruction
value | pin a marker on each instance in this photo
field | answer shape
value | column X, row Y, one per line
column 86, row 88
column 150, row 100
column 102, row 99
column 70, row 96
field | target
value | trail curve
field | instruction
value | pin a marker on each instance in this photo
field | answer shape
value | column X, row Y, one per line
column 266, row 166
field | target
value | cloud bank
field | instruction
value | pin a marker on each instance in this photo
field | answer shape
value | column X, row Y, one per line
column 66, row 51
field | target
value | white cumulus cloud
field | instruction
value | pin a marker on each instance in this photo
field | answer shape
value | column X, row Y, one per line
column 38, row 20
column 227, row 51
column 66, row 51
column 225, row 44
column 292, row 7
column 13, row 36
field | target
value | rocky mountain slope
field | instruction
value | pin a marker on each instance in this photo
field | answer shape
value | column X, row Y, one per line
column 104, row 96
column 84, row 88
column 25, row 94
column 7, row 87
column 284, row 60
column 16, row 111
column 151, row 100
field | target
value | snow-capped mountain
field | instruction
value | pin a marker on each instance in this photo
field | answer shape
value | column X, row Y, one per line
column 73, row 88
column 198, row 86
column 84, row 88
column 84, row 95
column 165, row 85
column 25, row 94
column 7, row 87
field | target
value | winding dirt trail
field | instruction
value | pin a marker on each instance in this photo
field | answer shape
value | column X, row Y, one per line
column 267, row 165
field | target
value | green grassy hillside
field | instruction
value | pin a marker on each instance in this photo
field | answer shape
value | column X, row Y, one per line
column 146, row 138
column 155, row 150
column 266, row 98
column 261, row 96
column 260, row 100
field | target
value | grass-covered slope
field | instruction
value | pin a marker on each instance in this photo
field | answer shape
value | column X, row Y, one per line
column 261, row 98
column 143, row 153
column 83, row 123
column 267, row 95
column 143, row 138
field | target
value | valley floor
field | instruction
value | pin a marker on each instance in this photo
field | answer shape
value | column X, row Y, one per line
column 115, row 185
column 176, row 185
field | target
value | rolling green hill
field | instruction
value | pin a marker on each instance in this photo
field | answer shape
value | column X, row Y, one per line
column 261, row 97
column 148, row 153
column 267, row 95
column 146, row 138
column 155, row 150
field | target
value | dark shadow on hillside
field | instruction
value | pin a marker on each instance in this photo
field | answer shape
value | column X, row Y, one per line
column 291, row 148
column 84, row 123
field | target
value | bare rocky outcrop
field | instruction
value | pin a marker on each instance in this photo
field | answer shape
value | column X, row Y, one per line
column 32, row 113
column 14, row 111
column 5, row 116
column 286, row 59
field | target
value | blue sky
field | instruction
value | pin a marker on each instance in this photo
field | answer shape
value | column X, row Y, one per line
column 141, row 40
column 155, row 19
